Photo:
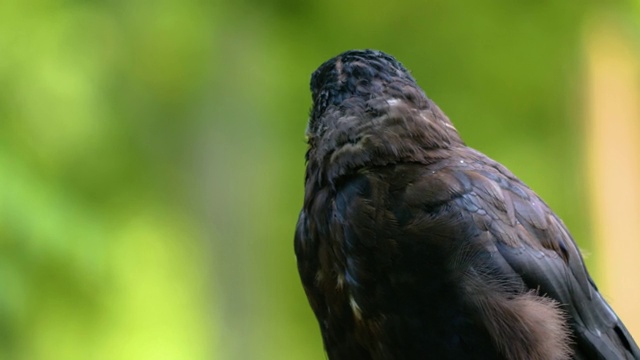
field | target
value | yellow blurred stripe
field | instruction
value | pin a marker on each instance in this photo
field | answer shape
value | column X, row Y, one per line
column 613, row 157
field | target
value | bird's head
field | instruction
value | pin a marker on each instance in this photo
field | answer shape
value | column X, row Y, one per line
column 362, row 73
column 367, row 105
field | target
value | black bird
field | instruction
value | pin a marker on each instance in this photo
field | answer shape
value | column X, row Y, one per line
column 411, row 245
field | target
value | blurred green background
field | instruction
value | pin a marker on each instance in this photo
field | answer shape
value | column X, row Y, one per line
column 152, row 155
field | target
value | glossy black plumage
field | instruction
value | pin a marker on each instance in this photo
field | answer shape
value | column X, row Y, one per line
column 411, row 245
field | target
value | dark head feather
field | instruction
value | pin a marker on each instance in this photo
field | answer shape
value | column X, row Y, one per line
column 355, row 73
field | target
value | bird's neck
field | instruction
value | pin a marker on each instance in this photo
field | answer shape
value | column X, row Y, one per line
column 379, row 133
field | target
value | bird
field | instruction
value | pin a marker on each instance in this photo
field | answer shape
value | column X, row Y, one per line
column 412, row 245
